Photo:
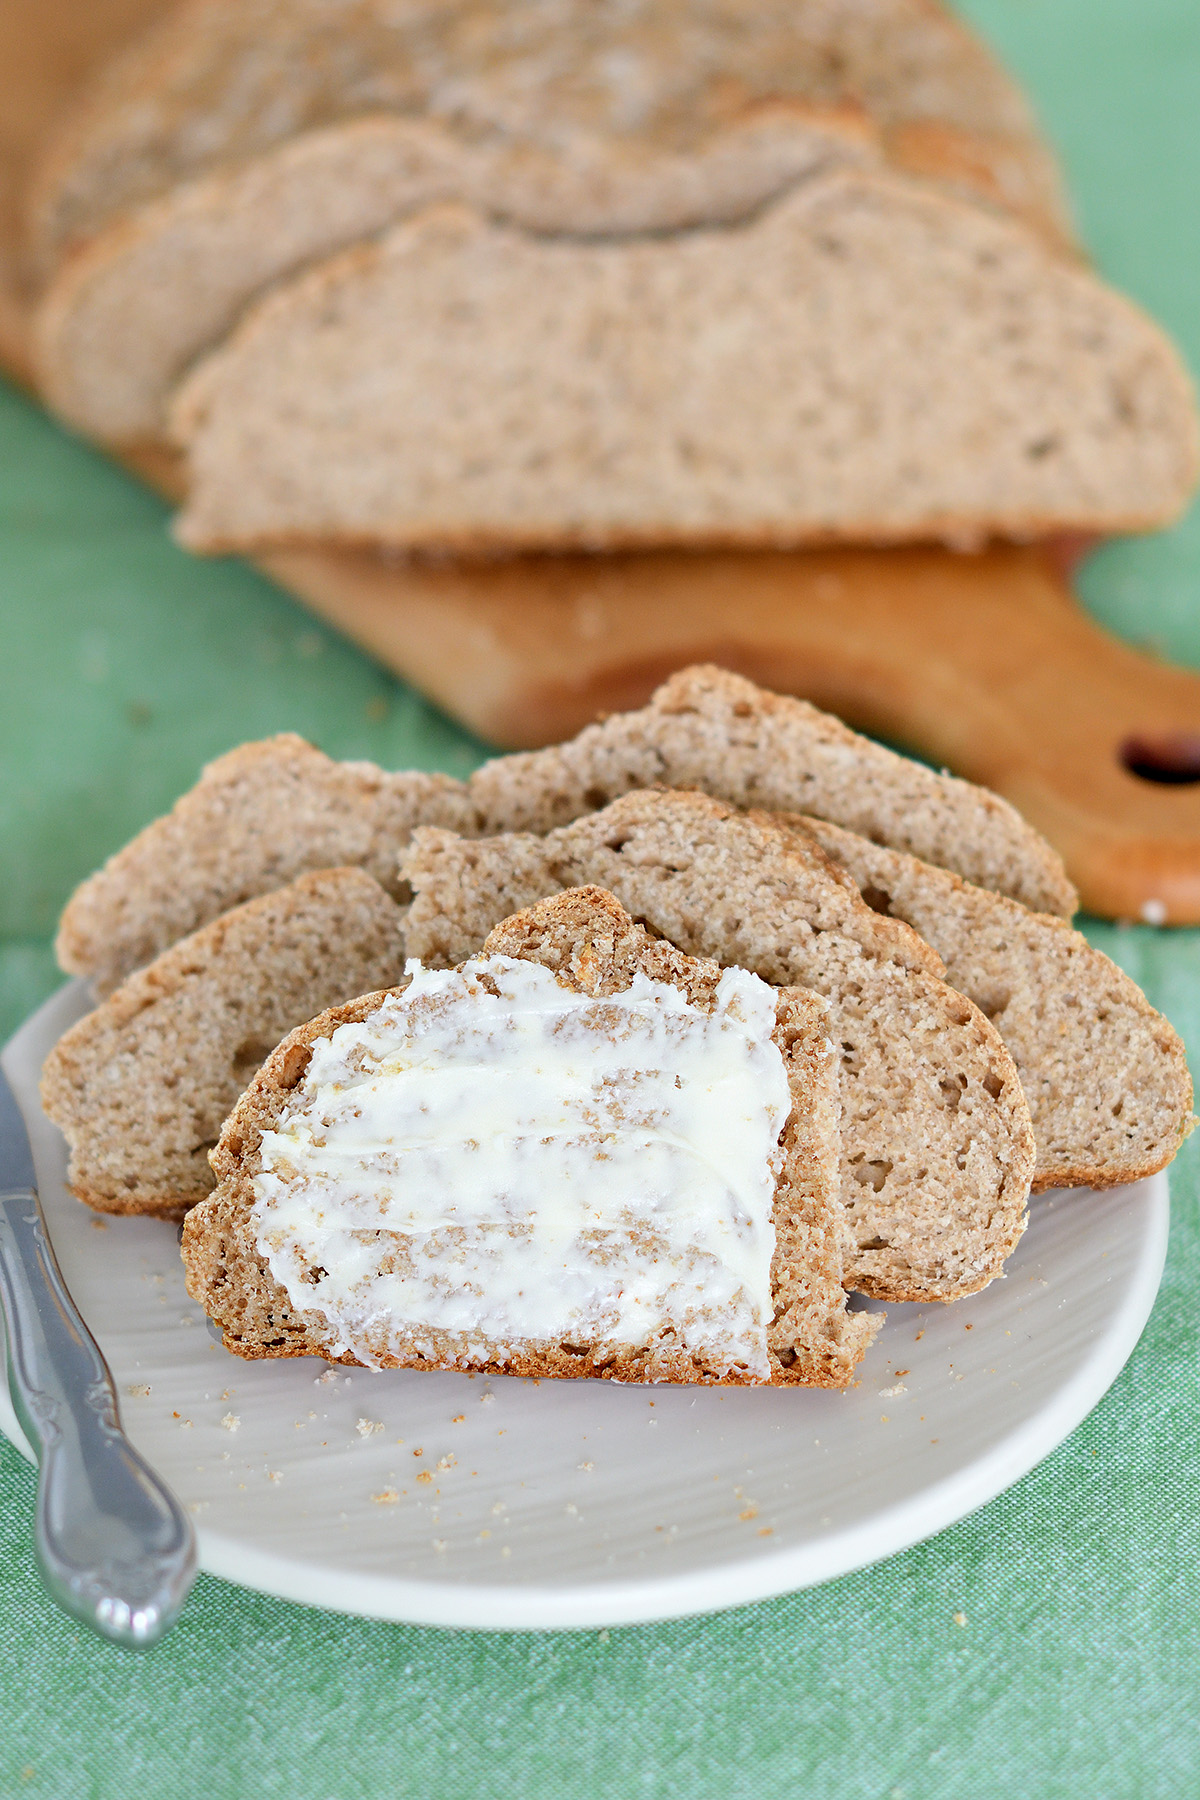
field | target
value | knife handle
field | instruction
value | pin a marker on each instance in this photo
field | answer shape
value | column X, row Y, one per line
column 114, row 1545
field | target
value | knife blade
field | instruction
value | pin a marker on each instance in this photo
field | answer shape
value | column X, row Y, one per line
column 115, row 1548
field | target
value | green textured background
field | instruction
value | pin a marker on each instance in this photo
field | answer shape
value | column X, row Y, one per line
column 123, row 666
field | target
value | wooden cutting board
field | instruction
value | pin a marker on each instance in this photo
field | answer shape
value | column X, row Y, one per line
column 983, row 663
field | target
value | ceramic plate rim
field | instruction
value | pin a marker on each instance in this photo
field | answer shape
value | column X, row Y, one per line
column 587, row 1605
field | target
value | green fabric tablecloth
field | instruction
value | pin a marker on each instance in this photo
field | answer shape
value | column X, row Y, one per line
column 123, row 666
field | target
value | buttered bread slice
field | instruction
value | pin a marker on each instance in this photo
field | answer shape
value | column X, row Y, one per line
column 580, row 1154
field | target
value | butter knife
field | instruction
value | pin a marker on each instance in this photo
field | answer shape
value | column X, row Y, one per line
column 115, row 1547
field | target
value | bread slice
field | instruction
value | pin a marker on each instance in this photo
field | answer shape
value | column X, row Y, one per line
column 131, row 310
column 865, row 361
column 266, row 812
column 593, row 948
column 597, row 93
column 937, row 1144
column 258, row 817
column 141, row 1086
column 1105, row 1076
column 708, row 729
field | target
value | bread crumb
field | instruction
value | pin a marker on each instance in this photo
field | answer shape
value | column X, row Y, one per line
column 586, row 1466
column 425, row 1478
column 274, row 1474
column 446, row 1462
column 439, row 1543
column 139, row 1389
column 367, row 1427
column 386, row 1497
column 603, row 1636
column 748, row 1512
column 765, row 1530
column 960, row 1618
column 231, row 1421
column 418, row 1452
column 459, row 1419
column 891, row 1393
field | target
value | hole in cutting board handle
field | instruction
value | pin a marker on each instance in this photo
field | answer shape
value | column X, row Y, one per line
column 1171, row 758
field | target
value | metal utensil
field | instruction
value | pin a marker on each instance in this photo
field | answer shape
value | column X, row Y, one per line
column 115, row 1547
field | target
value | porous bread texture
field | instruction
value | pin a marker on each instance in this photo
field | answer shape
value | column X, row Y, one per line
column 937, row 1146
column 258, row 817
column 864, row 361
column 141, row 1086
column 131, row 310
column 593, row 947
column 1105, row 1076
column 706, row 728
column 592, row 95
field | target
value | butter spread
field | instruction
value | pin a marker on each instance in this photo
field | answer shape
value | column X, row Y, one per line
column 496, row 1157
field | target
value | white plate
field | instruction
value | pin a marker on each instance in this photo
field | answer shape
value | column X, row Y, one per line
column 566, row 1504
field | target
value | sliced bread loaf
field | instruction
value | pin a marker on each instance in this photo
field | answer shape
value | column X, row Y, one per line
column 141, row 1086
column 252, row 1273
column 595, row 94
column 866, row 360
column 708, row 729
column 1105, row 1076
column 936, row 1140
column 131, row 310
column 257, row 818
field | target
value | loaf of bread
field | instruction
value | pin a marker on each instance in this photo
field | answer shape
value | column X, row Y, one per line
column 133, row 308
column 141, row 1086
column 863, row 361
column 256, row 1277
column 1105, row 1076
column 267, row 812
column 601, row 108
column 937, row 1145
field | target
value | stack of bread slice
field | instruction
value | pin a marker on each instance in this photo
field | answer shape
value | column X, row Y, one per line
column 983, row 1047
column 467, row 279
